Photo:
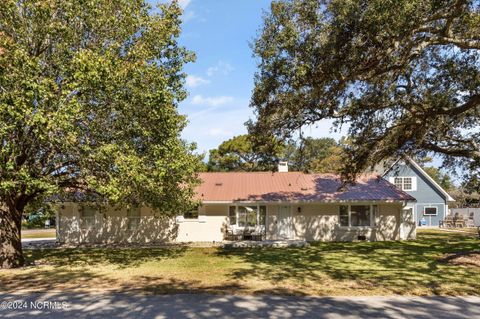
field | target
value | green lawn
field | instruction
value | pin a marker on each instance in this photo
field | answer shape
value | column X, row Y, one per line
column 39, row 233
column 378, row 268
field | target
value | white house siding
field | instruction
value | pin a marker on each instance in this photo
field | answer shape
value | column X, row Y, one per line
column 319, row 222
column 314, row 222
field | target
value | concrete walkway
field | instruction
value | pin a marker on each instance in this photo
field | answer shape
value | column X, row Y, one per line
column 76, row 305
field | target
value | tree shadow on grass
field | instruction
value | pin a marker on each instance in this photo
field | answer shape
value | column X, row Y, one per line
column 401, row 267
column 120, row 257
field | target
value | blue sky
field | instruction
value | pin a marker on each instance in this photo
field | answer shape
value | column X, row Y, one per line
column 220, row 82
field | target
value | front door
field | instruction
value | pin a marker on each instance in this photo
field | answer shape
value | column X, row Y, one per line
column 284, row 222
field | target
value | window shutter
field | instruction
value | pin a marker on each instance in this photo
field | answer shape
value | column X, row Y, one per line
column 414, row 183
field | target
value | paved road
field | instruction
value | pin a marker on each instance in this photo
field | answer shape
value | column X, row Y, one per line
column 76, row 305
column 32, row 240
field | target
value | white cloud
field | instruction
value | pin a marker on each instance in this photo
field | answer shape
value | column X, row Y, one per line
column 194, row 81
column 211, row 101
column 220, row 68
column 213, row 125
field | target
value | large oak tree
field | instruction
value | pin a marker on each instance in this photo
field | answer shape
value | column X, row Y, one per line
column 88, row 101
column 403, row 75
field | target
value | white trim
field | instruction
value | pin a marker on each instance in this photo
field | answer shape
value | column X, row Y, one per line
column 431, row 180
column 413, row 179
column 236, row 205
column 372, row 223
column 436, row 211
column 314, row 202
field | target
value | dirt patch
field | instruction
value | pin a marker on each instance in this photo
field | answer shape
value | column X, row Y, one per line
column 470, row 259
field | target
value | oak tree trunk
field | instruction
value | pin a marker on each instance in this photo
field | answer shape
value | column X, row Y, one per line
column 11, row 254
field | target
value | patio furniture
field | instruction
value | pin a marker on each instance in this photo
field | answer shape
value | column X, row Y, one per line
column 458, row 221
column 258, row 233
column 229, row 234
column 470, row 221
column 448, row 222
column 233, row 234
column 247, row 234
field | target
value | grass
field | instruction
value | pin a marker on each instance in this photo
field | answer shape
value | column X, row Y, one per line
column 377, row 268
column 39, row 233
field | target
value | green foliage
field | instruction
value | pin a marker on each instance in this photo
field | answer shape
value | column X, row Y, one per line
column 443, row 179
column 472, row 185
column 468, row 194
column 315, row 155
column 88, row 101
column 404, row 75
column 242, row 153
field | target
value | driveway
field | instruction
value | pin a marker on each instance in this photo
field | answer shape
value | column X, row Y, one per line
column 118, row 305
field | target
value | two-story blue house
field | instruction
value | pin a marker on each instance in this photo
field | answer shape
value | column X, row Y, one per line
column 432, row 200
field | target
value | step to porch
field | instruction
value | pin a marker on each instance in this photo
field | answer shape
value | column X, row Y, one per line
column 265, row 243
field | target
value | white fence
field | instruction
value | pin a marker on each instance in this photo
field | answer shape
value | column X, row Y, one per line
column 467, row 213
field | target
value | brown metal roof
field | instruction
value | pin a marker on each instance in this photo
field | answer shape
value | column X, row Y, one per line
column 293, row 186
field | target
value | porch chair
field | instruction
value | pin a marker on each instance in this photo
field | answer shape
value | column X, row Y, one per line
column 448, row 222
column 460, row 221
column 258, row 233
column 247, row 234
column 470, row 221
column 233, row 234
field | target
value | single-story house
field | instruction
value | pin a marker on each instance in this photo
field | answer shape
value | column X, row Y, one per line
column 264, row 205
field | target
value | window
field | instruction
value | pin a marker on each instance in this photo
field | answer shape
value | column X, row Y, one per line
column 191, row 214
column 87, row 217
column 133, row 215
column 357, row 215
column 360, row 215
column 430, row 211
column 241, row 216
column 344, row 216
column 247, row 216
column 232, row 215
column 404, row 183
column 398, row 182
column 407, row 183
